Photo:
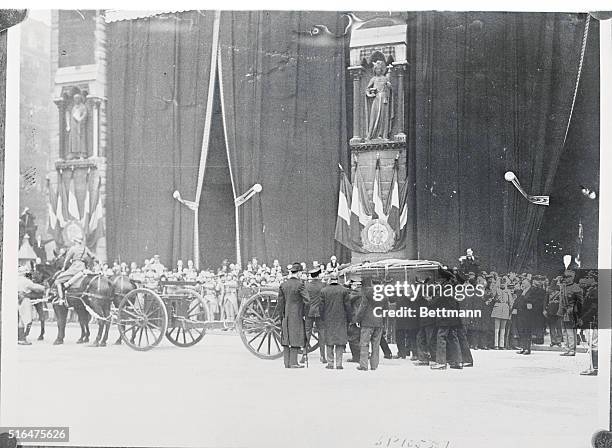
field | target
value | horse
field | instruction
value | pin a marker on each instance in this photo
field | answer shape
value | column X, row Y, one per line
column 120, row 286
column 92, row 291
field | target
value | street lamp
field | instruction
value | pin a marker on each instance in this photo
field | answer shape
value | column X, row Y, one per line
column 537, row 200
column 238, row 201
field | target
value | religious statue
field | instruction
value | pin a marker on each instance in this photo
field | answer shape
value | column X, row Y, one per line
column 379, row 100
column 76, row 128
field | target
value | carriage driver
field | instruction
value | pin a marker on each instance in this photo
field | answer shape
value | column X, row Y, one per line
column 74, row 264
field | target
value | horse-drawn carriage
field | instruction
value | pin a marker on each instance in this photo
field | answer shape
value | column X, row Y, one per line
column 180, row 311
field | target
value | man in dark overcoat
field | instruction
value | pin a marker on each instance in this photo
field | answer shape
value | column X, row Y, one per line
column 336, row 313
column 292, row 298
column 313, row 313
column 369, row 317
column 406, row 327
column 354, row 332
column 525, row 312
column 426, row 335
column 447, row 344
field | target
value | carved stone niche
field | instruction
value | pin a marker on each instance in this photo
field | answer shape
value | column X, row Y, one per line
column 78, row 122
column 377, row 66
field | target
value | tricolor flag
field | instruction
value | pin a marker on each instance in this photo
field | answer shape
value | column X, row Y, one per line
column 392, row 207
column 402, row 233
column 377, row 194
column 86, row 208
column 61, row 199
column 360, row 213
column 73, row 206
column 343, row 221
column 53, row 228
column 96, row 222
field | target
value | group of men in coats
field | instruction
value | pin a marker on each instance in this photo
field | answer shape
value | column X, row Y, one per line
column 347, row 315
column 333, row 309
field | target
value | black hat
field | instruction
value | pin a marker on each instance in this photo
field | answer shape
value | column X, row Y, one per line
column 295, row 267
column 316, row 271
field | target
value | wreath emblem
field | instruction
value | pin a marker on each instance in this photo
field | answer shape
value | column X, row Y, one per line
column 378, row 236
column 72, row 230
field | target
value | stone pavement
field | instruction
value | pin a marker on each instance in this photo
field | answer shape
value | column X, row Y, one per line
column 218, row 394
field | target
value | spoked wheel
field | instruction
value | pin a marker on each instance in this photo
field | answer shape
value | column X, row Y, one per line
column 314, row 342
column 142, row 319
column 188, row 317
column 259, row 325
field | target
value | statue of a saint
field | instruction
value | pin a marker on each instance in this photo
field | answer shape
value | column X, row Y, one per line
column 76, row 128
column 379, row 103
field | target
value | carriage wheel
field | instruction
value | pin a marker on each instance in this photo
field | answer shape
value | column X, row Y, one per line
column 314, row 342
column 259, row 325
column 142, row 319
column 188, row 318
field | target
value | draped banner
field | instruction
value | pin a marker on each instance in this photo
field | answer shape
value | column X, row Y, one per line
column 492, row 93
column 157, row 101
column 283, row 99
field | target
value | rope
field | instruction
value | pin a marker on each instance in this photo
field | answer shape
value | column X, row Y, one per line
column 582, row 51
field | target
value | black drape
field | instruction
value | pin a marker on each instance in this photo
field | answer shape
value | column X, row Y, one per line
column 283, row 96
column 158, row 89
column 492, row 94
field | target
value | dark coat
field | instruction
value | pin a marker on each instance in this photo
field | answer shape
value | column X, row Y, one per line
column 336, row 312
column 405, row 322
column 446, row 303
column 314, row 288
column 366, row 315
column 292, row 297
column 424, row 321
column 528, row 308
column 589, row 309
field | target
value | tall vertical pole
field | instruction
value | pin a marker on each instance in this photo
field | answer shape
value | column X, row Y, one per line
column 237, row 216
column 357, row 103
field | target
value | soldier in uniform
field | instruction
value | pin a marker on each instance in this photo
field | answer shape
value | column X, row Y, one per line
column 336, row 313
column 313, row 313
column 75, row 263
column 292, row 298
column 570, row 304
column 589, row 321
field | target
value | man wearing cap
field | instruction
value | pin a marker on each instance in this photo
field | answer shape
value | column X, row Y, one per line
column 336, row 313
column 570, row 304
column 75, row 263
column 24, row 310
column 292, row 299
column 354, row 332
column 313, row 313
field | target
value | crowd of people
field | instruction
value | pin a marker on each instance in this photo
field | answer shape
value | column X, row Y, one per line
column 515, row 309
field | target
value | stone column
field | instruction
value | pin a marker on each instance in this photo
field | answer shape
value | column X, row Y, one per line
column 101, row 61
column 357, row 103
column 61, row 127
column 399, row 70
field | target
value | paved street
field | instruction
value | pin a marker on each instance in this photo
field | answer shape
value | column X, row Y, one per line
column 218, row 394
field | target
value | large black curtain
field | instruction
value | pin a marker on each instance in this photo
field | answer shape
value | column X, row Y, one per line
column 158, row 69
column 284, row 104
column 492, row 93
